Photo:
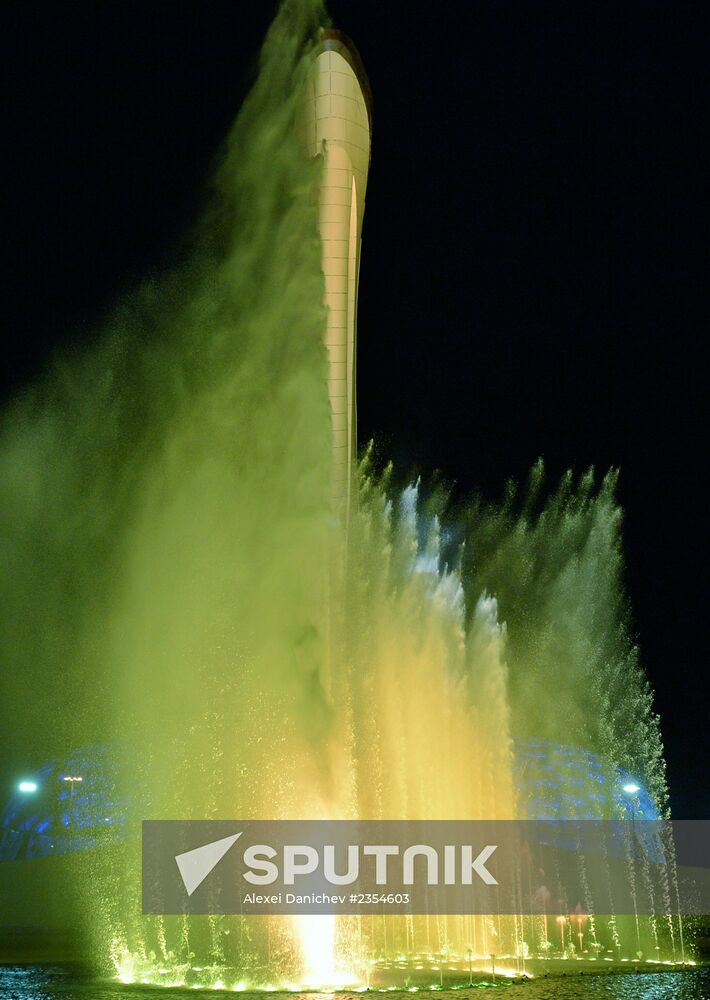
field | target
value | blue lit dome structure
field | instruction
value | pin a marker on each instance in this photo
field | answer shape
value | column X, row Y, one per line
column 556, row 781
column 73, row 808
column 64, row 815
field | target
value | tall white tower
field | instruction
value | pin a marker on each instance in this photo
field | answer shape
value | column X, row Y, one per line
column 337, row 124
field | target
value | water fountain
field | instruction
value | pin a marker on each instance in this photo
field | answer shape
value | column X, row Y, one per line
column 178, row 587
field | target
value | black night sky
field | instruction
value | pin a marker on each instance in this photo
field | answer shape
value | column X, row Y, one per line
column 532, row 256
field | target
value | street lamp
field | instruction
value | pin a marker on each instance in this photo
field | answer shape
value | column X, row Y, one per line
column 631, row 788
column 562, row 921
column 27, row 787
column 72, row 779
column 580, row 918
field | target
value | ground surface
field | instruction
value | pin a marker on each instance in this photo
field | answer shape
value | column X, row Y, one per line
column 38, row 982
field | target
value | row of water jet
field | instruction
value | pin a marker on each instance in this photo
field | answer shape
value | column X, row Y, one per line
column 175, row 583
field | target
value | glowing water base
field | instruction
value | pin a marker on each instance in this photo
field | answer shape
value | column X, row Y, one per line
column 180, row 592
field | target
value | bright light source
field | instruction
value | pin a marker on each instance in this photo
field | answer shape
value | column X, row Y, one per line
column 70, row 777
column 27, row 786
column 631, row 788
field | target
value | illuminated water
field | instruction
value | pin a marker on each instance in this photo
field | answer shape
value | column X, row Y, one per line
column 43, row 983
column 174, row 584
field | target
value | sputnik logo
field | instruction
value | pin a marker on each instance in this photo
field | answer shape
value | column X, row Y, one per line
column 300, row 861
column 196, row 865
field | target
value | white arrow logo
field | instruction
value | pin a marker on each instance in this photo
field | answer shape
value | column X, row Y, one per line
column 196, row 865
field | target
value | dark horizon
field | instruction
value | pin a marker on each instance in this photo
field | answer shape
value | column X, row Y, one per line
column 531, row 266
